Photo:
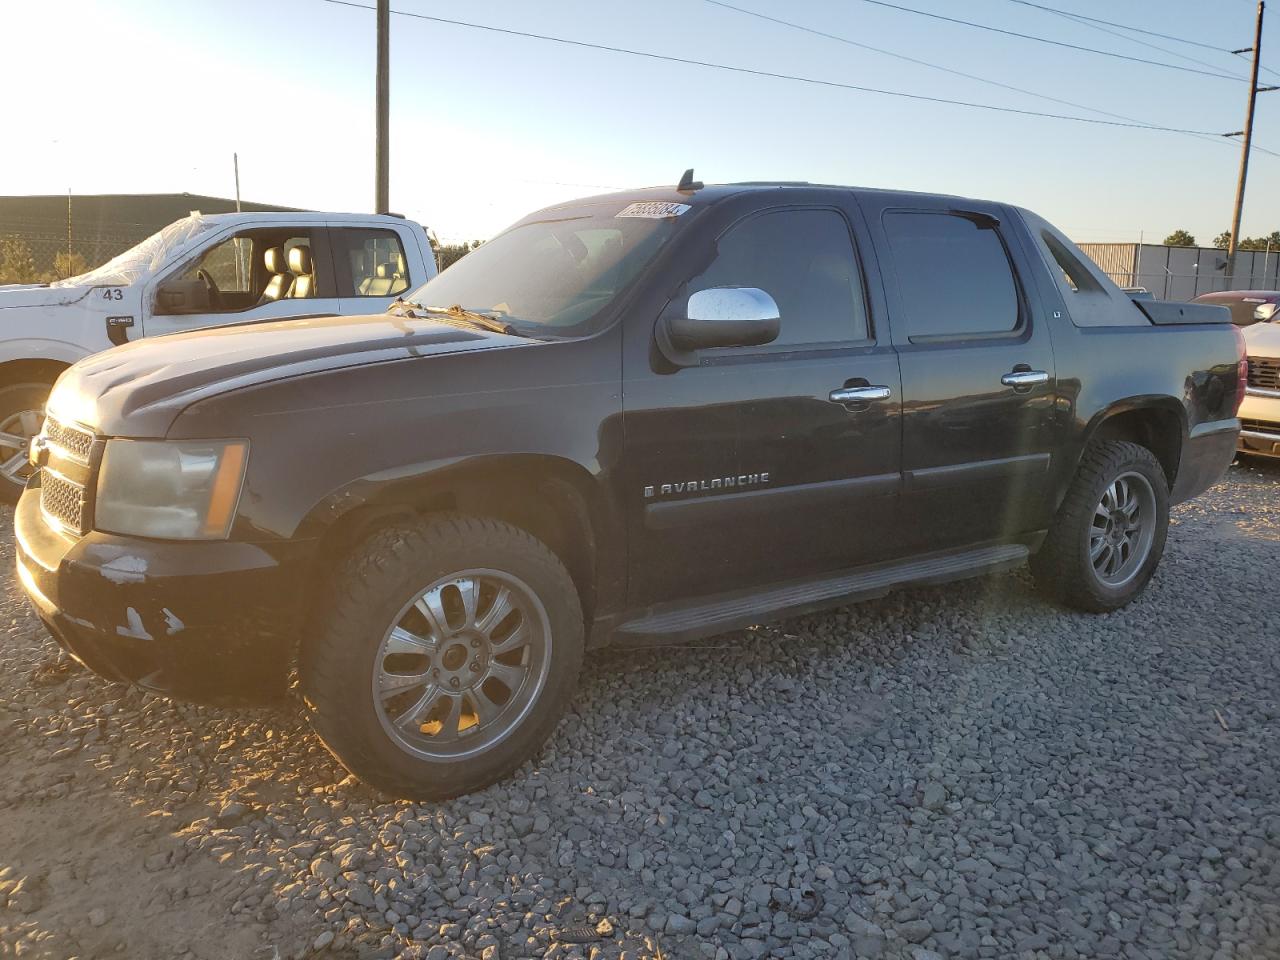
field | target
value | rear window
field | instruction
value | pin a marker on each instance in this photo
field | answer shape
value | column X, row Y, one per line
column 1091, row 298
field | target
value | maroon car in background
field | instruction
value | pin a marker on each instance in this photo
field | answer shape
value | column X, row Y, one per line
column 1246, row 306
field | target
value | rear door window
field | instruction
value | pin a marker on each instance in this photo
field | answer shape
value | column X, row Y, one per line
column 954, row 275
column 375, row 261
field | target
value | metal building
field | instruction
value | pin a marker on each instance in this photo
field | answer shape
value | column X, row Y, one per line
column 1183, row 273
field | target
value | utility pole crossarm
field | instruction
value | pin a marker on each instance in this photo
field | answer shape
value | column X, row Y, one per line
column 1245, row 146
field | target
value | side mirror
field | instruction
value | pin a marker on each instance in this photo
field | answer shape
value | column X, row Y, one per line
column 725, row 317
column 182, row 296
column 1265, row 313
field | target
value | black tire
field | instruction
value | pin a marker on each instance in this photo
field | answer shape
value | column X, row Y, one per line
column 344, row 653
column 1063, row 568
column 14, row 400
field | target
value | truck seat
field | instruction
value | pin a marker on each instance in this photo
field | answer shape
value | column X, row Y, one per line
column 382, row 284
column 281, row 281
column 302, row 267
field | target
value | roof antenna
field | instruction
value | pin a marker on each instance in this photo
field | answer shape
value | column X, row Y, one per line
column 687, row 183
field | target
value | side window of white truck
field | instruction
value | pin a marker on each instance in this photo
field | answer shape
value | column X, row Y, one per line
column 242, row 272
column 375, row 260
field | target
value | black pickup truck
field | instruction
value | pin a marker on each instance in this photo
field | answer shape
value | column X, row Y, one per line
column 637, row 417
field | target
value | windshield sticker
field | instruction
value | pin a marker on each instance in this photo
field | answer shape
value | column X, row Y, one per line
column 654, row 210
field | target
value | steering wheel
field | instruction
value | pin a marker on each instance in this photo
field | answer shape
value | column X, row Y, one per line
column 215, row 295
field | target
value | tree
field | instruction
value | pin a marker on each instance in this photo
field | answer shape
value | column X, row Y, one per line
column 66, row 265
column 17, row 265
column 1260, row 243
column 1180, row 238
column 449, row 253
column 1249, row 243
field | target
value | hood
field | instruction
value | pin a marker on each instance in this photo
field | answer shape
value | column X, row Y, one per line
column 38, row 295
column 1262, row 339
column 137, row 390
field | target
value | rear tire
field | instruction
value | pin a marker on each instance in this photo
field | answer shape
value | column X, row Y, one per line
column 443, row 657
column 21, row 416
column 1108, row 536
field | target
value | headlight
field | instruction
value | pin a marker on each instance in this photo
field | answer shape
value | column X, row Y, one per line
column 180, row 490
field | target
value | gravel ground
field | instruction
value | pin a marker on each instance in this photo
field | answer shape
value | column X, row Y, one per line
column 954, row 772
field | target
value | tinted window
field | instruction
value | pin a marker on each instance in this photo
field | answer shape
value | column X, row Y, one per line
column 953, row 275
column 376, row 261
column 804, row 259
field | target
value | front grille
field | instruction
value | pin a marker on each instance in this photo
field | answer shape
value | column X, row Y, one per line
column 62, row 500
column 1260, row 426
column 1264, row 373
column 75, row 441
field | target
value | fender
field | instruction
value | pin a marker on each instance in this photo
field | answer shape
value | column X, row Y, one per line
column 553, row 497
column 1163, row 403
column 37, row 348
column 1166, row 406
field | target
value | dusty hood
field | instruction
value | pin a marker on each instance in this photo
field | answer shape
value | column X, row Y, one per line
column 138, row 389
column 1262, row 339
column 38, row 295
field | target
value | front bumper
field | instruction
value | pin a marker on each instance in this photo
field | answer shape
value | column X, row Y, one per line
column 1260, row 423
column 211, row 622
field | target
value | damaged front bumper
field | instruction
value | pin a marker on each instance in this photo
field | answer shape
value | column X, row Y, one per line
column 211, row 622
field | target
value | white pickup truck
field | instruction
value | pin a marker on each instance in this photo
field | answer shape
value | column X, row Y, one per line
column 200, row 271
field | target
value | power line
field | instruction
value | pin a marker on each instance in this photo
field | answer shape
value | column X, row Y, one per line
column 936, row 66
column 1055, row 43
column 815, row 81
column 1093, row 24
column 1109, row 23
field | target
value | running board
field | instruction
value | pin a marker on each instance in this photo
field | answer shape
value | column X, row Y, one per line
column 742, row 608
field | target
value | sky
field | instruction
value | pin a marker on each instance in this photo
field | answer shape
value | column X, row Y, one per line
column 145, row 96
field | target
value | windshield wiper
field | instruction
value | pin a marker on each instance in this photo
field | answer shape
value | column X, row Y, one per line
column 458, row 313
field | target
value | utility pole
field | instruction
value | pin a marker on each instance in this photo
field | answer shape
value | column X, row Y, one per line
column 68, row 231
column 381, row 201
column 1245, row 145
column 235, row 161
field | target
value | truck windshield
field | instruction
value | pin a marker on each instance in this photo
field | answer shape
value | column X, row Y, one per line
column 552, row 276
column 142, row 259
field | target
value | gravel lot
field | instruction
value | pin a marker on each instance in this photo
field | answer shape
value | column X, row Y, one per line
column 959, row 772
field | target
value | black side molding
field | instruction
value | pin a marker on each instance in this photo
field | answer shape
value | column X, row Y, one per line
column 686, row 620
column 932, row 478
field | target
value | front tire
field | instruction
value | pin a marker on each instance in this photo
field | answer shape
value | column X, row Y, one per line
column 444, row 656
column 21, row 416
column 1107, row 539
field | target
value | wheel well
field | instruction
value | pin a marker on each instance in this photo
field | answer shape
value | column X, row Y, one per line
column 30, row 371
column 1155, row 428
column 547, row 505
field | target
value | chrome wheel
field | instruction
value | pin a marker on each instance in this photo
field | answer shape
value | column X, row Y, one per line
column 16, row 433
column 462, row 664
column 1124, row 526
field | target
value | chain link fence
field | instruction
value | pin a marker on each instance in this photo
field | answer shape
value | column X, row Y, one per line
column 41, row 258
column 1184, row 273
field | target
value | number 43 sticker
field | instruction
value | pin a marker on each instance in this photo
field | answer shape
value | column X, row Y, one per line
column 112, row 293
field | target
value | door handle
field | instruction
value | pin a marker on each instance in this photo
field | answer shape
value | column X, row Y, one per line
column 1024, row 378
column 860, row 394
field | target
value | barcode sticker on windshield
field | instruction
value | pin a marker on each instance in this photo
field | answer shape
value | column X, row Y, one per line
column 654, row 210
